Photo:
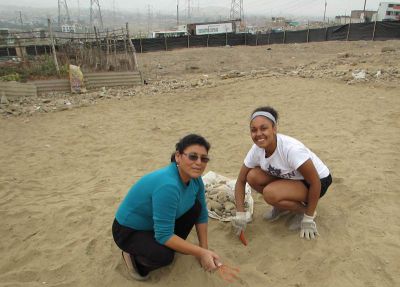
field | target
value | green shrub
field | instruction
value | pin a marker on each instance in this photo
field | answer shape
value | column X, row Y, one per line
column 39, row 68
column 11, row 77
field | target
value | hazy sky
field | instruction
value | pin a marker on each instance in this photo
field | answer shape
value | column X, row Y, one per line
column 268, row 7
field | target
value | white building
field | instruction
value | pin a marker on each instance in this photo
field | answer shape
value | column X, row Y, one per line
column 388, row 11
column 68, row 28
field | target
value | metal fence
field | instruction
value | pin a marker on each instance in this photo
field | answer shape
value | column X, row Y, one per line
column 348, row 32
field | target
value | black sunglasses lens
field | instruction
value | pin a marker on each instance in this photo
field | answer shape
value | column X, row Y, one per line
column 193, row 156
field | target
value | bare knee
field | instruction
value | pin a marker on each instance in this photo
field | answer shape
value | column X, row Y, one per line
column 253, row 179
column 258, row 179
column 270, row 196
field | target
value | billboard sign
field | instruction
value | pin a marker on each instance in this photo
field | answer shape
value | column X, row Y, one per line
column 220, row 28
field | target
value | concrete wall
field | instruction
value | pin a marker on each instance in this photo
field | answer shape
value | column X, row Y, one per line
column 13, row 90
column 114, row 79
column 92, row 81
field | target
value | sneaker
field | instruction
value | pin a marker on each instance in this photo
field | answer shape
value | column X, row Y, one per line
column 275, row 214
column 131, row 267
column 295, row 222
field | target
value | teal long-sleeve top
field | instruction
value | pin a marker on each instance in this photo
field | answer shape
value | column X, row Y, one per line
column 156, row 200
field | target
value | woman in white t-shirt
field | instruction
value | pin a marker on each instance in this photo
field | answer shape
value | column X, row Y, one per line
column 289, row 175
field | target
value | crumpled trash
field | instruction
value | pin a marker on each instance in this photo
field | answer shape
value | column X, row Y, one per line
column 359, row 74
column 76, row 80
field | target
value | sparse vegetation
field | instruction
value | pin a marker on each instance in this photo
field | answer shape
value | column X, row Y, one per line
column 42, row 67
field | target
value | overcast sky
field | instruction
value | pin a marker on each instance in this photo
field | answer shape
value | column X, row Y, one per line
column 267, row 7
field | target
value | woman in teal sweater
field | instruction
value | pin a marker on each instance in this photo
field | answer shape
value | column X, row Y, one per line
column 160, row 210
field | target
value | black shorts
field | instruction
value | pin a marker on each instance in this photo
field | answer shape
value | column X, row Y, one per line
column 325, row 183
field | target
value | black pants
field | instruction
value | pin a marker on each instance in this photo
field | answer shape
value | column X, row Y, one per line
column 144, row 249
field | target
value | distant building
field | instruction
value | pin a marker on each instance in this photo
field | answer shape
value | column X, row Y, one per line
column 388, row 11
column 68, row 28
column 6, row 37
column 358, row 16
column 278, row 19
column 342, row 19
column 168, row 33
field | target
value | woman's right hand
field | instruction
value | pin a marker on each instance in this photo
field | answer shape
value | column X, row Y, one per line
column 209, row 260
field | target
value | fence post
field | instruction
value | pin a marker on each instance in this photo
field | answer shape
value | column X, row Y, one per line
column 284, row 36
column 326, row 33
column 99, row 55
column 373, row 33
column 188, row 45
column 108, row 50
column 133, row 50
column 53, row 47
column 226, row 37
column 245, row 38
column 8, row 52
column 126, row 48
column 140, row 43
column 256, row 39
column 22, row 51
column 165, row 43
column 269, row 35
column 308, row 31
column 348, row 31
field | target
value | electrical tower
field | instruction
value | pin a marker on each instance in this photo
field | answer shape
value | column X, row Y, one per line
column 95, row 14
column 188, row 12
column 237, row 10
column 149, row 19
column 63, row 13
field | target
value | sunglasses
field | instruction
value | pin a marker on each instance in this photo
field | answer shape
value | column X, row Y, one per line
column 194, row 157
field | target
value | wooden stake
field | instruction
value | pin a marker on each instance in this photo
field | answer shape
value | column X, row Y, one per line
column 53, row 47
column 133, row 50
column 373, row 33
column 348, row 31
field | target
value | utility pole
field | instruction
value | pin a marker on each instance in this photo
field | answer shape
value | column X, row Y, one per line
column 113, row 13
column 177, row 13
column 365, row 3
column 325, row 10
column 188, row 12
column 20, row 19
column 79, row 12
column 149, row 19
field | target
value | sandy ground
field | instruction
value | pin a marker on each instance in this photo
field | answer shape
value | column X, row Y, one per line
column 63, row 174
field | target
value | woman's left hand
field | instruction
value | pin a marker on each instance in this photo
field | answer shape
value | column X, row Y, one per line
column 208, row 260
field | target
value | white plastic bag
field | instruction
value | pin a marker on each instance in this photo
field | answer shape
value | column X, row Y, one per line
column 211, row 178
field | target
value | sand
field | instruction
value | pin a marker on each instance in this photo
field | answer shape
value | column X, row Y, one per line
column 63, row 174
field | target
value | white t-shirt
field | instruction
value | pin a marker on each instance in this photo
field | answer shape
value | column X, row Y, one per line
column 288, row 156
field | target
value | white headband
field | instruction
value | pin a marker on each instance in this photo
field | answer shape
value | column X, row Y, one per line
column 264, row 114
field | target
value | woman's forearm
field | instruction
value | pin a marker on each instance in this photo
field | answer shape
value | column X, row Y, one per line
column 180, row 245
column 201, row 229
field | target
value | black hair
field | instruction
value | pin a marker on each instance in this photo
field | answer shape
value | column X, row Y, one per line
column 188, row 140
column 267, row 109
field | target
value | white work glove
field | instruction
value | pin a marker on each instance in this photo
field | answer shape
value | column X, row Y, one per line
column 239, row 222
column 308, row 227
